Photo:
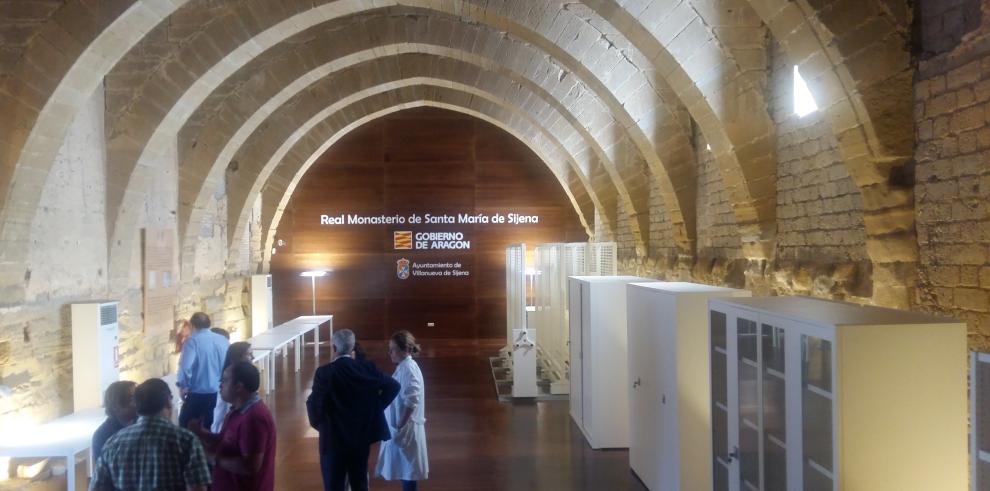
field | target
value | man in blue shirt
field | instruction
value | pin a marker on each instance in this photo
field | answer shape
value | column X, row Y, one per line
column 200, row 369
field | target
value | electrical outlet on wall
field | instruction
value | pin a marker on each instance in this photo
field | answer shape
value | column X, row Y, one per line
column 430, row 324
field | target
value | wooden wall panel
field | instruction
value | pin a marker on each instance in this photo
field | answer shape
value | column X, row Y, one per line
column 416, row 161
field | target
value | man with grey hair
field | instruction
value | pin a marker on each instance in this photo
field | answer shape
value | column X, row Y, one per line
column 346, row 407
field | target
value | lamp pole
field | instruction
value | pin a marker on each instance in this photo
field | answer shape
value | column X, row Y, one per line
column 312, row 279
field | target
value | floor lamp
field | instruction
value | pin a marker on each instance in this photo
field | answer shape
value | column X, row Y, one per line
column 312, row 277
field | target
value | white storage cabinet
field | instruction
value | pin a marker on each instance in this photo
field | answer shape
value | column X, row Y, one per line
column 670, row 396
column 95, row 352
column 262, row 313
column 598, row 366
column 819, row 395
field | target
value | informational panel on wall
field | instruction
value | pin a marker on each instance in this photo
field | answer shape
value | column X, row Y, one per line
column 406, row 237
column 159, row 280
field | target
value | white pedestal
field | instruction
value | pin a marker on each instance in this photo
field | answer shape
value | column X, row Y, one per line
column 523, row 363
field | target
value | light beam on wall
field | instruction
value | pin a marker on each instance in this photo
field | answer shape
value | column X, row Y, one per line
column 804, row 102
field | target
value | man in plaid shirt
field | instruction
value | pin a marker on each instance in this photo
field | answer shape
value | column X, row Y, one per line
column 152, row 454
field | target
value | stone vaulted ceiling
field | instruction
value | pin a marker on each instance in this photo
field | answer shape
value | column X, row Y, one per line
column 614, row 96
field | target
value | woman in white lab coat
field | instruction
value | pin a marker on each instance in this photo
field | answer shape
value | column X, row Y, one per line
column 404, row 456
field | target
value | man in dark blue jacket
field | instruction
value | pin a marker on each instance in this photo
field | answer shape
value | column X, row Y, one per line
column 346, row 407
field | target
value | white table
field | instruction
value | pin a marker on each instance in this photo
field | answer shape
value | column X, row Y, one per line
column 295, row 330
column 63, row 437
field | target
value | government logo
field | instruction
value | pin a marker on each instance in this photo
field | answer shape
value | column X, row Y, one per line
column 402, row 240
column 402, row 268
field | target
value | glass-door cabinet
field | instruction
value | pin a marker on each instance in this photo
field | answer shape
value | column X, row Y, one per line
column 775, row 367
column 750, row 372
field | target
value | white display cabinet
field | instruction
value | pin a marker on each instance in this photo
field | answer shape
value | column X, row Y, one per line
column 670, row 396
column 95, row 352
column 598, row 367
column 262, row 313
column 818, row 395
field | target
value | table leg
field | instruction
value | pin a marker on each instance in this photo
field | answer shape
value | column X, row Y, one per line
column 316, row 345
column 298, row 343
column 70, row 472
column 271, row 368
column 264, row 381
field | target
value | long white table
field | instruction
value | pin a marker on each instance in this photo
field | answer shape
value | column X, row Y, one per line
column 293, row 331
column 63, row 437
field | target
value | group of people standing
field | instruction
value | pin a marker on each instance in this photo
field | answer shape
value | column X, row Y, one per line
column 226, row 435
column 353, row 405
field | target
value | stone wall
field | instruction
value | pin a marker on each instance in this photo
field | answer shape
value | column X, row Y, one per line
column 624, row 240
column 718, row 236
column 660, row 240
column 68, row 262
column 820, row 242
column 820, row 246
column 952, row 194
column 819, row 207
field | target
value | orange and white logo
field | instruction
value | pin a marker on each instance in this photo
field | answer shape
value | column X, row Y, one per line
column 402, row 239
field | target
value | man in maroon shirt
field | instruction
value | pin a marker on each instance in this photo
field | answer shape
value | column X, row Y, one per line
column 245, row 446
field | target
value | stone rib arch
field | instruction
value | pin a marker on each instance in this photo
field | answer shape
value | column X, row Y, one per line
column 860, row 90
column 706, row 70
column 426, row 64
column 277, row 192
column 210, row 152
column 498, row 73
column 510, row 118
column 128, row 150
column 58, row 71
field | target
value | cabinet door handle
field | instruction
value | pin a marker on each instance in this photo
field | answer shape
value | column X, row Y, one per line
column 637, row 383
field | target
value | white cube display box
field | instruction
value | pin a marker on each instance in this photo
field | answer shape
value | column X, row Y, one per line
column 598, row 367
column 819, row 395
column 670, row 396
column 95, row 352
column 262, row 314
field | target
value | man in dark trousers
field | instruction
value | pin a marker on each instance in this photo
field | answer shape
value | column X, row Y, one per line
column 346, row 407
column 200, row 368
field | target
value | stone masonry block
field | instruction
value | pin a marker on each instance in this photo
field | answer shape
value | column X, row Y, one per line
column 943, row 104
column 969, row 276
column 967, row 142
column 968, row 119
column 964, row 75
column 937, row 84
column 972, row 299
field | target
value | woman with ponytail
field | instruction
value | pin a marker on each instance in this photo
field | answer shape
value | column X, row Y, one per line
column 404, row 456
